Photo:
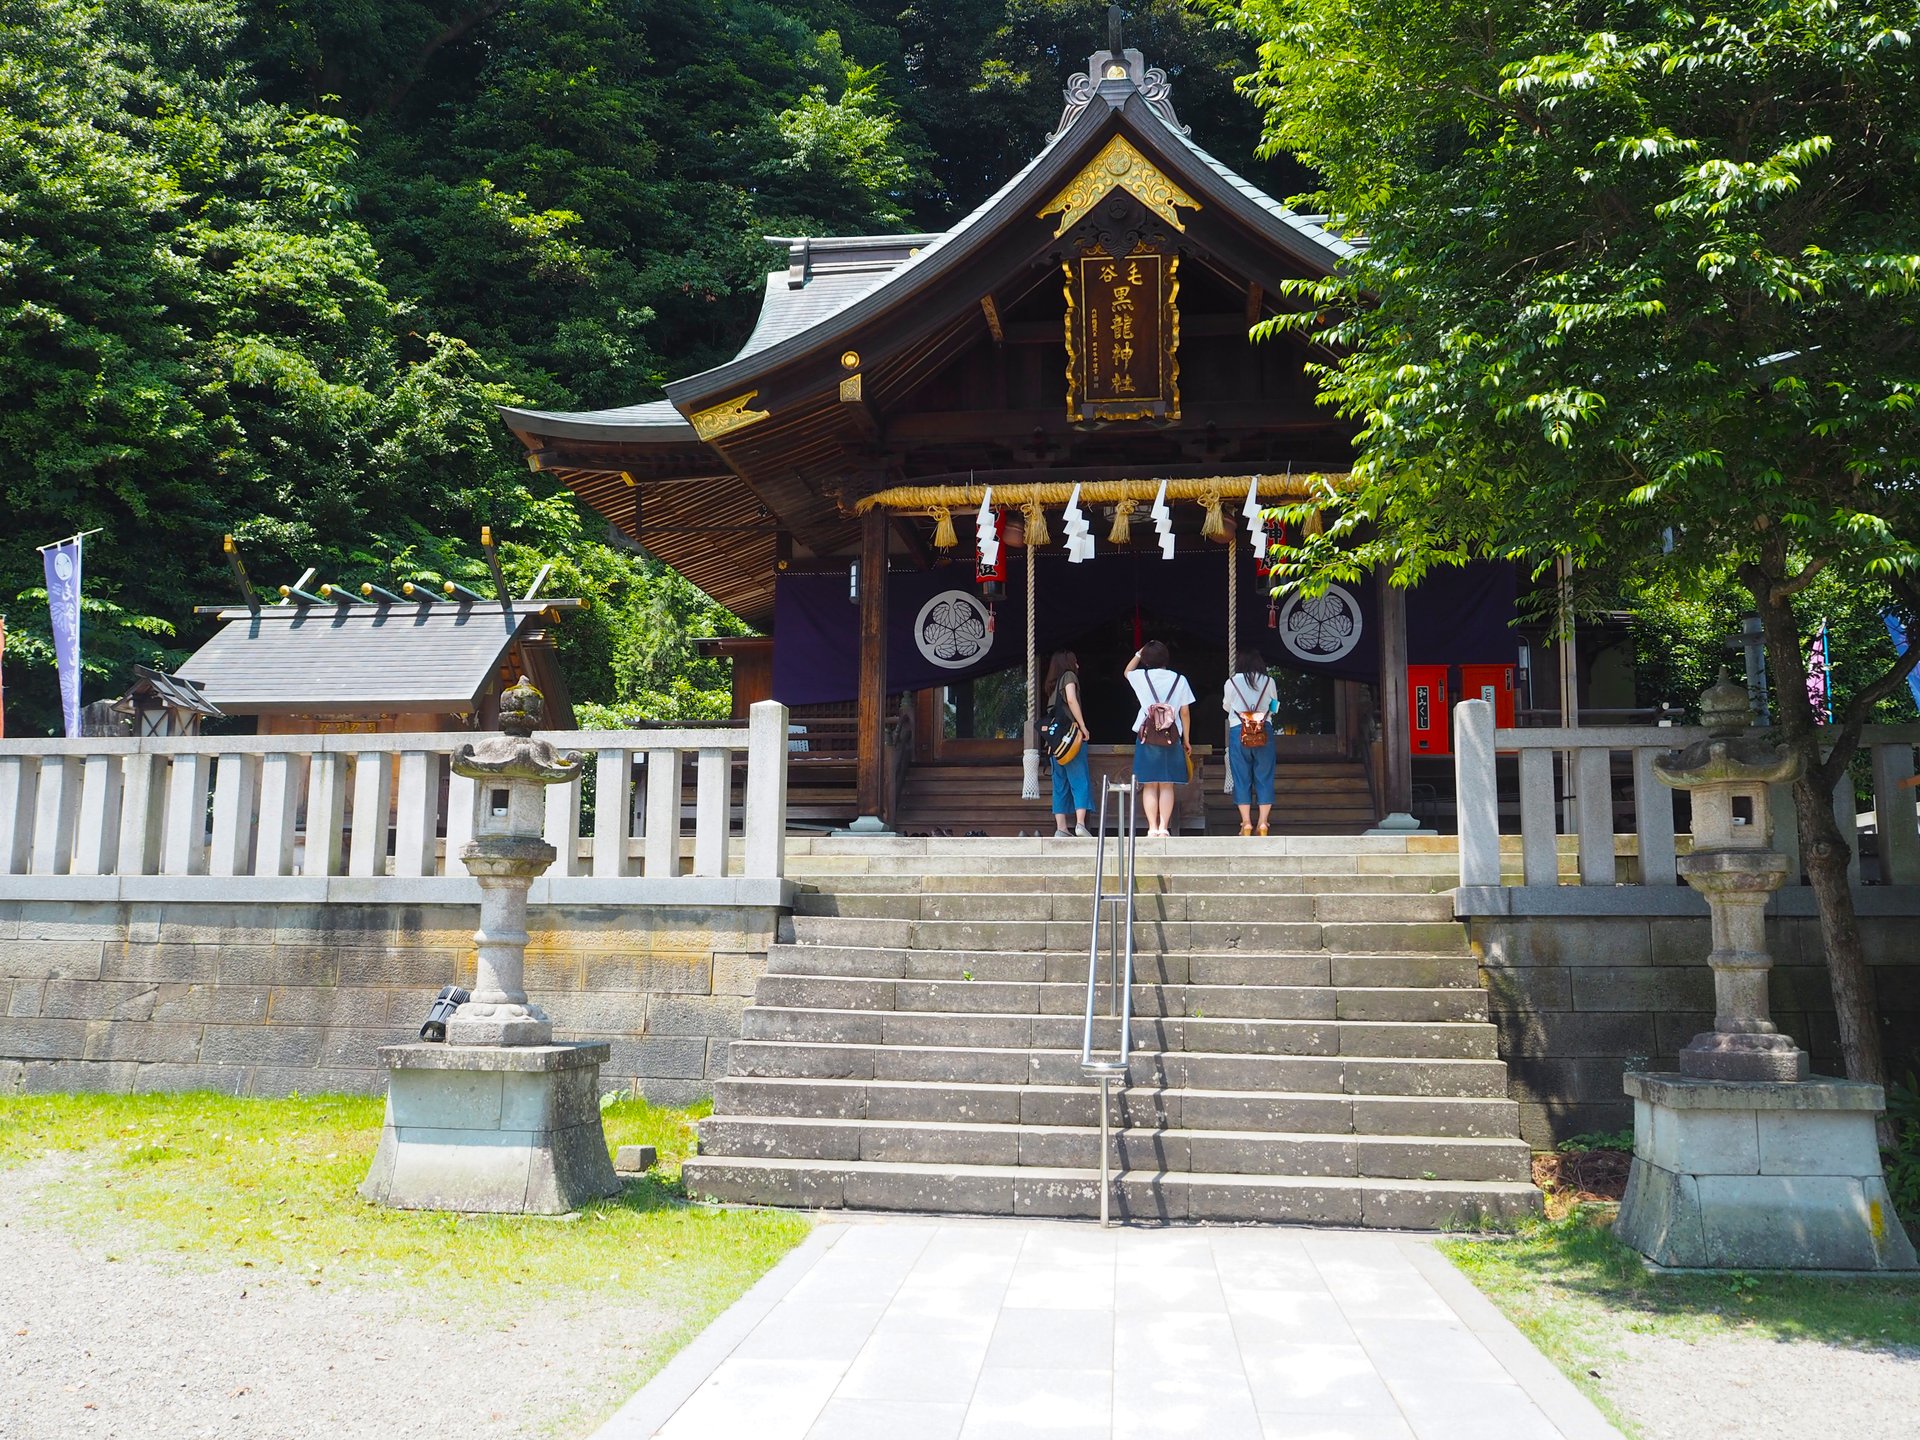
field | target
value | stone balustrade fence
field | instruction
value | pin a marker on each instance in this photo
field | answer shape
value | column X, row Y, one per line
column 368, row 818
column 1585, row 759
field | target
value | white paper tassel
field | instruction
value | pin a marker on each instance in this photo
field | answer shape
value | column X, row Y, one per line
column 1163, row 522
column 1030, row 775
column 1256, row 527
column 986, row 535
column 1079, row 531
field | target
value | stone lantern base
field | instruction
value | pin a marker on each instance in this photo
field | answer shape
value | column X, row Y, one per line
column 511, row 1130
column 1749, row 1175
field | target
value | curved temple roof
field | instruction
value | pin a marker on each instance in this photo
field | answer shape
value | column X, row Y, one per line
column 831, row 288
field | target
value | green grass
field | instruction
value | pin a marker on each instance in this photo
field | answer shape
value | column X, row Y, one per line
column 271, row 1184
column 1575, row 1291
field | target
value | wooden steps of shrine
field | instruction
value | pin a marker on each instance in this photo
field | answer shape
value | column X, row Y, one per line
column 1317, row 796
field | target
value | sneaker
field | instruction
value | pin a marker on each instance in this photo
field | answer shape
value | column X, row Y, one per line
column 1082, row 832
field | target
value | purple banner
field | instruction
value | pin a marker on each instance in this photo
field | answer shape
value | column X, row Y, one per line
column 62, row 563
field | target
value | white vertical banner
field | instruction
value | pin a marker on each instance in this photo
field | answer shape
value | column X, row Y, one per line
column 62, row 563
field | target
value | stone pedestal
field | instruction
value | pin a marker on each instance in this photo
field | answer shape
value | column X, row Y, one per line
column 1753, row 1175
column 511, row 1130
column 499, row 1013
column 1744, row 1043
column 1400, row 823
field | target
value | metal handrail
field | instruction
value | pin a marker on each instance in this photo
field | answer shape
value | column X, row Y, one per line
column 1118, row 912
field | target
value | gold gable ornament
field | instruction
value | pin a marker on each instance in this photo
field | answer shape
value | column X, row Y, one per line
column 1119, row 166
column 728, row 415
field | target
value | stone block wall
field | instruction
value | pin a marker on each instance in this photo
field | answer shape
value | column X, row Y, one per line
column 1579, row 999
column 267, row 999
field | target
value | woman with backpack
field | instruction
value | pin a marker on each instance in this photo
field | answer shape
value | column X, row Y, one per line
column 1067, row 745
column 1250, row 700
column 1162, row 750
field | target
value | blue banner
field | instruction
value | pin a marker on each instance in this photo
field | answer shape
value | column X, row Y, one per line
column 1899, row 634
column 63, row 602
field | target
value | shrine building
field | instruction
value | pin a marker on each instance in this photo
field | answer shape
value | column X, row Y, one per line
column 1067, row 371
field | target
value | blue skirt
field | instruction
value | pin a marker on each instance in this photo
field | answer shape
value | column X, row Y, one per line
column 1159, row 764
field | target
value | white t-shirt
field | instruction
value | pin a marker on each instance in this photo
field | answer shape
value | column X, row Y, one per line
column 1238, row 696
column 1170, row 686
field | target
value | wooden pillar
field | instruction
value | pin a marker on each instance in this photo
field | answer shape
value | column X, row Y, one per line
column 874, row 530
column 1396, row 743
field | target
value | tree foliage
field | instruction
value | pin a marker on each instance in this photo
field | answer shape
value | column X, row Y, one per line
column 268, row 266
column 1640, row 289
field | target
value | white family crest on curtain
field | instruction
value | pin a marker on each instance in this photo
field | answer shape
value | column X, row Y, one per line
column 1322, row 629
column 62, row 564
column 953, row 629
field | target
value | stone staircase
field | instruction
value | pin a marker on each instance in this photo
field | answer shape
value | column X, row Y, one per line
column 1311, row 1041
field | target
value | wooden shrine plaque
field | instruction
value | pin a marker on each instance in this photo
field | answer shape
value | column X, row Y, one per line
column 1123, row 336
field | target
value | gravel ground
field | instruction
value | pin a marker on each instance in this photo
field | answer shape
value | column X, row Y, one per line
column 1671, row 1389
column 92, row 1347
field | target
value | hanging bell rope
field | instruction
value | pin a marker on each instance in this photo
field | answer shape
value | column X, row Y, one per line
column 1122, row 532
column 1233, row 645
column 1030, row 757
column 943, row 536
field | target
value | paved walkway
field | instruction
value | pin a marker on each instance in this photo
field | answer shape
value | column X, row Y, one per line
column 918, row 1329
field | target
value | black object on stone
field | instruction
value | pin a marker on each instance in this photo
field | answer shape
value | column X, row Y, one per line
column 450, row 999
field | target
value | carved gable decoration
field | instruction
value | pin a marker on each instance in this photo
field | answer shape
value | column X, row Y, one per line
column 727, row 416
column 1119, row 166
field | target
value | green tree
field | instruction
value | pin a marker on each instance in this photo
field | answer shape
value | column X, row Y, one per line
column 1635, row 276
column 197, row 339
column 580, row 188
column 1681, row 621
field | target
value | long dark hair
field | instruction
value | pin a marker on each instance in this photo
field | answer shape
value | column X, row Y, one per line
column 1252, row 665
column 1062, row 662
column 1154, row 656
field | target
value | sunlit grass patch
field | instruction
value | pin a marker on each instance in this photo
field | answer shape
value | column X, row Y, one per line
column 1576, row 1292
column 274, row 1183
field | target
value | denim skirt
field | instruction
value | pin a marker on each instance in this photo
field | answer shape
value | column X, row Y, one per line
column 1159, row 764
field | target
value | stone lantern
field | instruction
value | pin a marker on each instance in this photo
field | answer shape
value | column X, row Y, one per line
column 511, row 771
column 1734, row 866
column 498, row 1118
column 1741, row 1160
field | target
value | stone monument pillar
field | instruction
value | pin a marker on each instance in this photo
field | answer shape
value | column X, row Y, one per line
column 1740, row 1160
column 498, row 1118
